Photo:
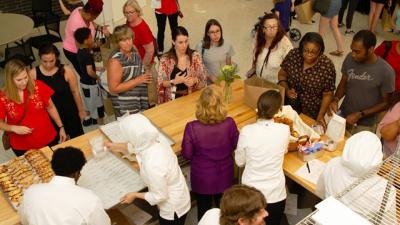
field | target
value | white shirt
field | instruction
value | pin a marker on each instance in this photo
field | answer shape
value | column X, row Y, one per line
column 160, row 171
column 261, row 147
column 272, row 67
column 61, row 202
column 211, row 217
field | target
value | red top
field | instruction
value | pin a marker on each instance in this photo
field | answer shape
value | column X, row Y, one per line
column 168, row 7
column 36, row 117
column 393, row 58
column 143, row 36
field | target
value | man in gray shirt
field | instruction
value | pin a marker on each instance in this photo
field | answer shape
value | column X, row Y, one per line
column 366, row 85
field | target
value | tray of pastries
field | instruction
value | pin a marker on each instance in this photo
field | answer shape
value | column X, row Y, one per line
column 21, row 172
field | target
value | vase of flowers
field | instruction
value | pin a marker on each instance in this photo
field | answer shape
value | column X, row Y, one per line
column 228, row 75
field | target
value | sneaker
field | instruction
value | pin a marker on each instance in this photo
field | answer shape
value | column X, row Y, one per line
column 341, row 25
column 349, row 32
column 87, row 122
column 94, row 121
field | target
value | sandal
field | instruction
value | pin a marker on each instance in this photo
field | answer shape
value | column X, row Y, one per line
column 337, row 53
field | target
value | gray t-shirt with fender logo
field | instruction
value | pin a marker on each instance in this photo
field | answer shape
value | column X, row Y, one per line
column 365, row 85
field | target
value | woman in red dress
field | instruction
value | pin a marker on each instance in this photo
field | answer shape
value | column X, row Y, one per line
column 25, row 107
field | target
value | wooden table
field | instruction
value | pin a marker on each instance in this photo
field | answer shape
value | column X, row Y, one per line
column 14, row 27
column 171, row 118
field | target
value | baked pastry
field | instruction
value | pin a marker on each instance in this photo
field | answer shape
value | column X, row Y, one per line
column 288, row 122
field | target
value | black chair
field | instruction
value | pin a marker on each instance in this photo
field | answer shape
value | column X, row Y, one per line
column 40, row 10
column 22, row 51
column 52, row 26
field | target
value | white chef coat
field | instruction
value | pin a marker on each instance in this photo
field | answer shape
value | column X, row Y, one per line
column 159, row 168
column 261, row 148
column 361, row 155
column 211, row 217
column 61, row 202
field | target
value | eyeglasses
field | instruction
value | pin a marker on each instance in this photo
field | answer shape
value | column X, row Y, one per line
column 129, row 13
column 310, row 51
column 270, row 27
column 214, row 32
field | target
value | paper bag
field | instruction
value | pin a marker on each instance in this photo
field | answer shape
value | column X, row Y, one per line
column 304, row 12
column 255, row 86
column 336, row 128
column 386, row 20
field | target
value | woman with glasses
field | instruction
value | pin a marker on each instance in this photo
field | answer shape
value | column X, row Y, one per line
column 144, row 42
column 181, row 69
column 127, row 79
column 214, row 50
column 272, row 45
column 308, row 77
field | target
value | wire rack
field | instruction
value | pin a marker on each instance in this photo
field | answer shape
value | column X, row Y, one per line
column 376, row 196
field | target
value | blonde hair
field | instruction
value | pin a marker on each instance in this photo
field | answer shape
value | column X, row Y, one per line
column 13, row 68
column 120, row 33
column 210, row 107
column 134, row 4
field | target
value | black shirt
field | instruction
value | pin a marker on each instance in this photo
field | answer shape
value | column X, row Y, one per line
column 85, row 57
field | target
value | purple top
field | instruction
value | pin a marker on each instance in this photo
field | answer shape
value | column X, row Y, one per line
column 210, row 148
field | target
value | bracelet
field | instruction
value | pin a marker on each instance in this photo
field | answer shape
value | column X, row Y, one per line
column 171, row 83
column 62, row 126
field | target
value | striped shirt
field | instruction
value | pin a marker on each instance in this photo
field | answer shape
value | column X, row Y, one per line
column 136, row 99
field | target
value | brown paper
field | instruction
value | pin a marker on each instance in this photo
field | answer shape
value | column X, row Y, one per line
column 304, row 12
column 256, row 86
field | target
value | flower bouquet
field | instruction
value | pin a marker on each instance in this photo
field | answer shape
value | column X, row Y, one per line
column 228, row 75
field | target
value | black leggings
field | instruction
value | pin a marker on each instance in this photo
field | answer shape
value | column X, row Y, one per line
column 161, row 21
column 72, row 57
column 176, row 221
column 350, row 12
column 275, row 212
column 204, row 203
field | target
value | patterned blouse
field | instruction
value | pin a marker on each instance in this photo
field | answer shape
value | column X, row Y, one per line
column 136, row 99
column 310, row 84
column 196, row 69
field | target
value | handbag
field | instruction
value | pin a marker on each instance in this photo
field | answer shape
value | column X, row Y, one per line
column 321, row 6
column 304, row 12
column 6, row 137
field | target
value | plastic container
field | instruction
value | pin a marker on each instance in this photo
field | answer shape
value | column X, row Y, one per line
column 311, row 156
column 98, row 148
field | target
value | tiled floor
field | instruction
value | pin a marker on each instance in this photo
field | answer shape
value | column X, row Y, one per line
column 237, row 18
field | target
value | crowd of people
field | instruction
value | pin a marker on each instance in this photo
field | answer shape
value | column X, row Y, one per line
column 47, row 105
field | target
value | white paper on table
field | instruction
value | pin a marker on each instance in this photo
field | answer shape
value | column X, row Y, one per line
column 291, row 204
column 110, row 178
column 333, row 212
column 316, row 168
column 113, row 132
